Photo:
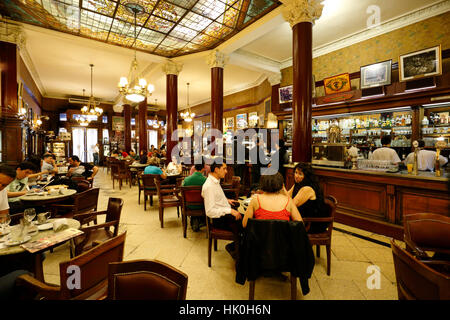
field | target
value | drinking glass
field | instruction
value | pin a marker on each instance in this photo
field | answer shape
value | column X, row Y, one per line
column 5, row 220
column 29, row 214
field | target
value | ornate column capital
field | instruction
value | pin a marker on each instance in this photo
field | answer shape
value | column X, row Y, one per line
column 296, row 11
column 13, row 33
column 217, row 59
column 172, row 67
column 274, row 78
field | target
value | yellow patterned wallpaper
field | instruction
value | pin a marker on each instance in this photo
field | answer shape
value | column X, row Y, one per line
column 417, row 36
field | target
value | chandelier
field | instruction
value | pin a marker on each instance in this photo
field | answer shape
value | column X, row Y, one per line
column 83, row 121
column 134, row 89
column 91, row 109
column 188, row 115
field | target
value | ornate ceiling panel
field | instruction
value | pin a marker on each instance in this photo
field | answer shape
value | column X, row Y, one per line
column 168, row 28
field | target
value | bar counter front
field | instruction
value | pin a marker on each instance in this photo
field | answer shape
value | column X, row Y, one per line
column 377, row 201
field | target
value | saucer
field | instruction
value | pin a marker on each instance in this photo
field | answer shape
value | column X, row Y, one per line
column 17, row 242
column 45, row 226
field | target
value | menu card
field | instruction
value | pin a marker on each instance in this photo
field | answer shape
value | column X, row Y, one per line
column 51, row 240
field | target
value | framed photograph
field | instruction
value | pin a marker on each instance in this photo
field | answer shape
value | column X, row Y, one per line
column 253, row 119
column 285, row 94
column 267, row 106
column 376, row 75
column 420, row 64
column 230, row 123
column 241, row 121
column 337, row 84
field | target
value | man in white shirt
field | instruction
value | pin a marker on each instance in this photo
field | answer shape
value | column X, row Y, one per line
column 426, row 159
column 7, row 175
column 386, row 153
column 218, row 207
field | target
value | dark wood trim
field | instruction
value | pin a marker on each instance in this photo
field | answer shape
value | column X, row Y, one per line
column 249, row 105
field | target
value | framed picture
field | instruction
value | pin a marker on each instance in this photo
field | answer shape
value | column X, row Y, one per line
column 285, row 94
column 376, row 75
column 337, row 84
column 241, row 121
column 267, row 106
column 253, row 119
column 230, row 123
column 420, row 64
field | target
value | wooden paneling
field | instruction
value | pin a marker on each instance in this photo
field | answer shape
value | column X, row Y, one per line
column 414, row 201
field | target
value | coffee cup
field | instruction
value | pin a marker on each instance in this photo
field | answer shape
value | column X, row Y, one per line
column 43, row 217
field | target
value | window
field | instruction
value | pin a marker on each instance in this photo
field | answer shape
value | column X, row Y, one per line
column 105, row 119
column 63, row 117
column 133, row 121
column 62, row 130
column 105, row 133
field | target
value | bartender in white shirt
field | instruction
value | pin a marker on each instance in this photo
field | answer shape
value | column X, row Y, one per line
column 426, row 159
column 218, row 207
column 386, row 153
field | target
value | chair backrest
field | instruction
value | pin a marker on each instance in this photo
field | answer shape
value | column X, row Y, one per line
column 330, row 205
column 145, row 280
column 426, row 232
column 416, row 280
column 148, row 180
column 115, row 167
column 192, row 195
column 86, row 200
column 114, row 211
column 93, row 269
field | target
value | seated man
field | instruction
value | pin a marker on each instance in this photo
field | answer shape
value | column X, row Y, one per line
column 218, row 207
column 81, row 169
column 48, row 166
column 426, row 159
column 196, row 179
column 134, row 156
column 19, row 186
column 153, row 168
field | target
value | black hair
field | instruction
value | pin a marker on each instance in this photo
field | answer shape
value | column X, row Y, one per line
column 7, row 170
column 27, row 165
column 271, row 183
column 75, row 158
column 281, row 143
column 47, row 155
column 309, row 179
column 385, row 140
column 199, row 166
column 216, row 164
column 421, row 143
column 35, row 159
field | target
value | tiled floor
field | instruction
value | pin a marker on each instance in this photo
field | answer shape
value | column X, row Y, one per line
column 351, row 256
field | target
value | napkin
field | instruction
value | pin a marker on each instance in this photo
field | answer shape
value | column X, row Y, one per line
column 60, row 224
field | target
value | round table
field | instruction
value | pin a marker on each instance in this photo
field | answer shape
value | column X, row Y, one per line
column 46, row 199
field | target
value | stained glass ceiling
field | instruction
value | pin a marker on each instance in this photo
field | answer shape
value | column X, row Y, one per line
column 167, row 28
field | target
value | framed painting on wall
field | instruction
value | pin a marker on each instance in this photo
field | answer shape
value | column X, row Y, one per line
column 241, row 121
column 420, row 64
column 230, row 123
column 253, row 119
column 285, row 94
column 337, row 84
column 376, row 75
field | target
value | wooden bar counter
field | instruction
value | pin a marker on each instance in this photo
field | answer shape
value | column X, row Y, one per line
column 377, row 201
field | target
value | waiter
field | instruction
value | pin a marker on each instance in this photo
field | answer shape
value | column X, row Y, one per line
column 386, row 153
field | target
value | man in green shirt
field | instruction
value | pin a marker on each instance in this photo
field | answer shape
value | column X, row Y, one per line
column 196, row 179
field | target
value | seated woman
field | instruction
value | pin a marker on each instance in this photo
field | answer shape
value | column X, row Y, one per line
column 308, row 196
column 174, row 166
column 143, row 158
column 273, row 203
column 153, row 168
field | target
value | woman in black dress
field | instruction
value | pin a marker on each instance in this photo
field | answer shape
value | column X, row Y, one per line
column 308, row 196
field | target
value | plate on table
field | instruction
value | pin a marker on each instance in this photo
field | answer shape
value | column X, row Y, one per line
column 45, row 226
column 5, row 232
column 17, row 242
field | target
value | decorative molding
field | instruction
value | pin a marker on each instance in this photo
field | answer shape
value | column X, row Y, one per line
column 172, row 67
column 385, row 27
column 296, row 11
column 217, row 59
column 274, row 78
column 252, row 61
column 14, row 33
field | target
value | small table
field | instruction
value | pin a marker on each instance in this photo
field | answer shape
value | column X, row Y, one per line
column 9, row 251
column 42, row 200
column 173, row 177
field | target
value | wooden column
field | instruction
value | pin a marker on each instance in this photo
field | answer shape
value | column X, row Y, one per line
column 143, row 125
column 301, row 16
column 127, row 119
column 172, row 69
column 217, row 98
column 8, row 63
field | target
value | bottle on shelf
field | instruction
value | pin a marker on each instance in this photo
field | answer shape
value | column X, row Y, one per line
column 408, row 120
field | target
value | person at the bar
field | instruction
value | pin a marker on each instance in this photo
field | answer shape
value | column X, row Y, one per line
column 385, row 152
column 308, row 196
column 273, row 203
column 426, row 159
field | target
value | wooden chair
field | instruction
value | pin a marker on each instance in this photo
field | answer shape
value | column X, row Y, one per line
column 149, row 187
column 98, row 233
column 93, row 272
column 191, row 196
column 82, row 183
column 168, row 196
column 416, row 280
column 119, row 171
column 80, row 203
column 323, row 238
column 108, row 161
column 216, row 234
column 145, row 280
column 426, row 232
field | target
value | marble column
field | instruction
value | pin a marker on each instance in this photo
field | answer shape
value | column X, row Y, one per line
column 171, row 69
column 142, row 124
column 127, row 119
column 301, row 15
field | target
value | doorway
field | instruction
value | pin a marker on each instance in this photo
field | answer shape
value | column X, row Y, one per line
column 83, row 143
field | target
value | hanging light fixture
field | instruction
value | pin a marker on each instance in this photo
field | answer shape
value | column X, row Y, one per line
column 83, row 121
column 188, row 115
column 134, row 89
column 91, row 109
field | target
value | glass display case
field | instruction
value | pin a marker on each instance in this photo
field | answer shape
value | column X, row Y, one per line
column 59, row 149
column 435, row 124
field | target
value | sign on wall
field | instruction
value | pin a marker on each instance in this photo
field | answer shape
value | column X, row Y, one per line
column 118, row 123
